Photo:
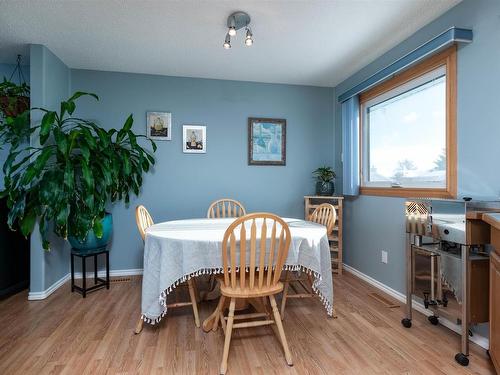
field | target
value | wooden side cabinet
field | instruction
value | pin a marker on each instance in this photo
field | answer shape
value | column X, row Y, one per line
column 495, row 309
column 494, row 220
column 334, row 238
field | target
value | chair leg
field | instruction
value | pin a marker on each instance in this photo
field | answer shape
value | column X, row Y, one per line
column 193, row 301
column 196, row 292
column 218, row 310
column 285, row 295
column 277, row 320
column 138, row 327
column 227, row 341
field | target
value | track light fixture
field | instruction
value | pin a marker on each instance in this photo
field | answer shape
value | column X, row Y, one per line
column 236, row 21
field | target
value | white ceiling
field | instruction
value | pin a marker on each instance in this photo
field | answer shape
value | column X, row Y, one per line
column 307, row 42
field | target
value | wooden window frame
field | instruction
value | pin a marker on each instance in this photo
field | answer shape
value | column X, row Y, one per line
column 448, row 59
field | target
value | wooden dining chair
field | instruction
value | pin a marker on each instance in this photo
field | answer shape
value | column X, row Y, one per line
column 221, row 208
column 257, row 280
column 326, row 215
column 144, row 221
column 225, row 207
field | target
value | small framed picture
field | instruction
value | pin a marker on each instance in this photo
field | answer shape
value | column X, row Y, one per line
column 266, row 141
column 159, row 126
column 194, row 139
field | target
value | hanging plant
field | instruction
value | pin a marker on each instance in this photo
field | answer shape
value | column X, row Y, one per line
column 14, row 98
column 76, row 171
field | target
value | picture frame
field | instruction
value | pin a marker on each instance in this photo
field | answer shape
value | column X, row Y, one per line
column 266, row 141
column 159, row 126
column 194, row 139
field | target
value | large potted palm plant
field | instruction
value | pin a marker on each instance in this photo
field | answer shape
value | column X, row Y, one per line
column 72, row 171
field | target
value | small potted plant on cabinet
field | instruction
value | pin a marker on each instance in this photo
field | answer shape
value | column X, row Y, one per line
column 324, row 181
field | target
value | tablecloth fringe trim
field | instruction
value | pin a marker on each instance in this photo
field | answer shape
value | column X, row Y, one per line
column 317, row 280
column 219, row 270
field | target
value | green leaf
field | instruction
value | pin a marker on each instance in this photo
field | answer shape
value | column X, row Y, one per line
column 98, row 228
column 89, row 138
column 85, row 151
column 10, row 159
column 28, row 223
column 35, row 168
column 15, row 167
column 128, row 123
column 62, row 220
column 79, row 94
column 47, row 122
column 132, row 139
column 61, row 140
column 71, row 107
column 126, row 164
column 17, row 210
column 69, row 179
column 87, row 174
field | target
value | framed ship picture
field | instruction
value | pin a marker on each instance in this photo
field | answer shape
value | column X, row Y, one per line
column 159, row 126
column 194, row 139
column 266, row 141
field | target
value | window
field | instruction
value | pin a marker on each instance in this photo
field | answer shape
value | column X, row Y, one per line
column 408, row 132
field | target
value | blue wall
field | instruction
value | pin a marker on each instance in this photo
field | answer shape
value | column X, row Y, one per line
column 373, row 224
column 50, row 82
column 183, row 185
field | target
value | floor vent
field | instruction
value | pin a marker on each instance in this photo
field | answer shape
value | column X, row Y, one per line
column 121, row 280
column 384, row 301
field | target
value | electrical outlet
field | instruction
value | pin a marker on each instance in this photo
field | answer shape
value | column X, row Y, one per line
column 384, row 256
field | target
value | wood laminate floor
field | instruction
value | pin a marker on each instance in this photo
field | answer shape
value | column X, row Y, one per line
column 66, row 334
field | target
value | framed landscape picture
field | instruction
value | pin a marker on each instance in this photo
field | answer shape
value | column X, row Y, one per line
column 266, row 141
column 194, row 139
column 159, row 126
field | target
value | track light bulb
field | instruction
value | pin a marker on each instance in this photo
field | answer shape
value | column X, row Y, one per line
column 232, row 31
column 227, row 42
column 249, row 38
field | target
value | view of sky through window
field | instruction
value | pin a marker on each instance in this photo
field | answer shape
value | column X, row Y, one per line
column 407, row 137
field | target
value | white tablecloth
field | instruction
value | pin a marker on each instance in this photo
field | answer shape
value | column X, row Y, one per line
column 175, row 251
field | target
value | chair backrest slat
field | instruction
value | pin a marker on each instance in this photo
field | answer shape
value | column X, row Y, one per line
column 225, row 207
column 233, row 264
column 256, row 252
column 262, row 252
column 143, row 220
column 243, row 247
column 271, row 254
column 279, row 260
column 253, row 237
column 325, row 214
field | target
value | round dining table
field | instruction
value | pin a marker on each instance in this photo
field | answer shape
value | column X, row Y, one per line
column 175, row 251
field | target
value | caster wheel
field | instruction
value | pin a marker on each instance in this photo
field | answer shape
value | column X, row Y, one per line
column 426, row 304
column 462, row 359
column 434, row 320
column 406, row 322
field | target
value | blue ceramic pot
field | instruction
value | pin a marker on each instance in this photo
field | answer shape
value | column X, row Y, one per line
column 91, row 242
column 325, row 188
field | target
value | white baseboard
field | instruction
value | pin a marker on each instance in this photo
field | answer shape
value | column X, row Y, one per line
column 478, row 339
column 112, row 273
column 35, row 296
